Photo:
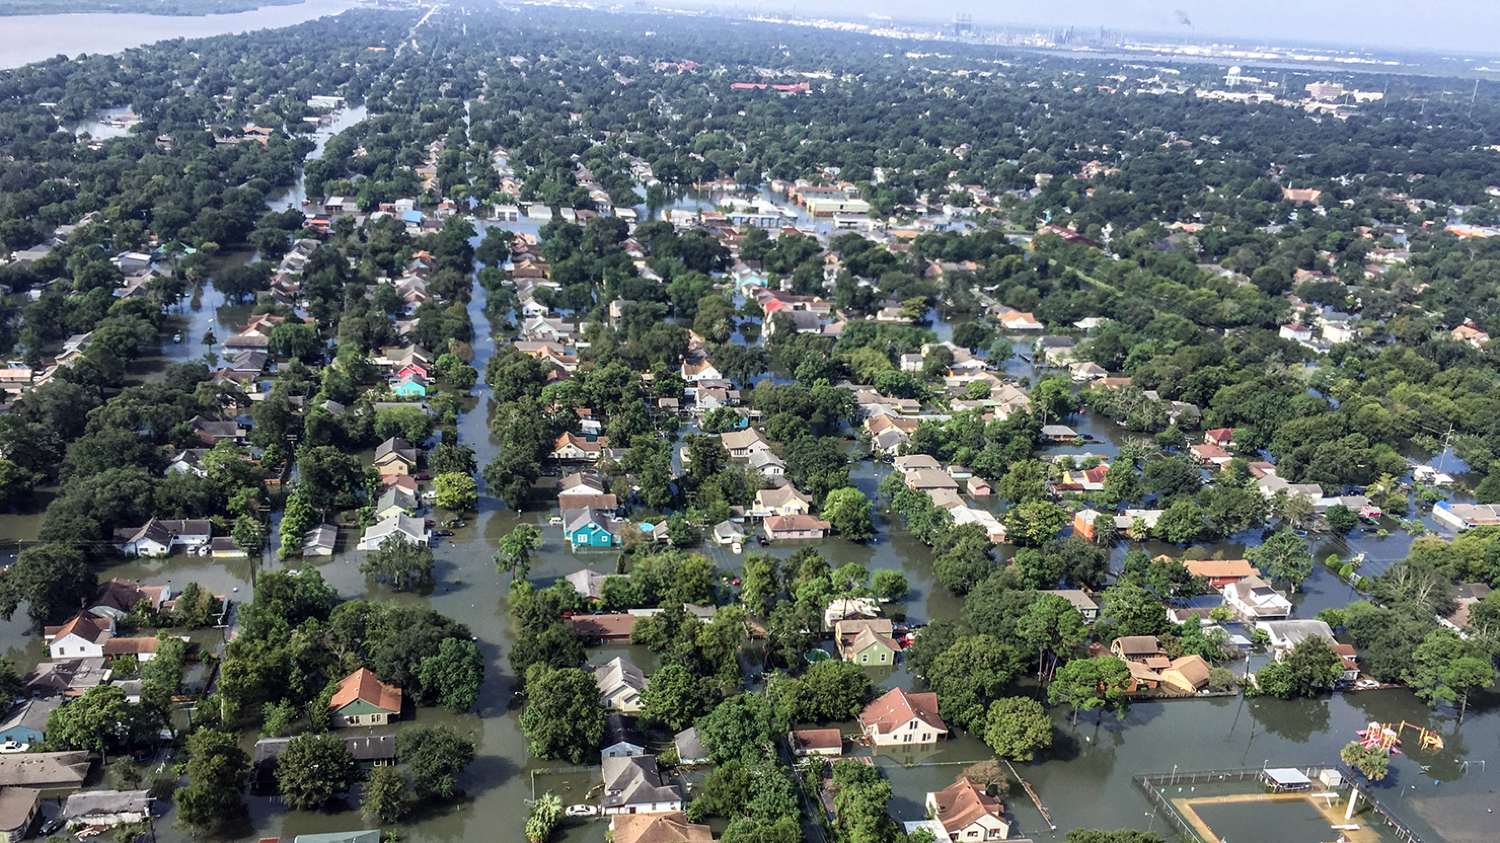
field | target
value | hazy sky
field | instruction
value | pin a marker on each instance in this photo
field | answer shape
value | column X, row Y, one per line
column 1433, row 25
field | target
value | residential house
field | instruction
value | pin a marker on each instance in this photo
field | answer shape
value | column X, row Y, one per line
column 767, row 464
column 929, row 479
column 690, row 750
column 1470, row 333
column 1083, row 480
column 621, row 740
column 1210, row 454
column 728, row 533
column 1270, row 483
column 363, row 700
column 1086, row 371
column 18, row 809
column 571, row 446
column 410, row 386
column 967, row 812
column 1080, row 600
column 394, row 502
column 370, row 835
column 825, row 742
column 1141, row 649
column 587, row 483
column 187, row 461
column 69, row 678
column 783, row 501
column 368, row 749
column 620, row 685
column 1462, row 516
column 1187, row 675
column 911, row 363
column 1220, row 572
column 320, row 540
column 1254, row 599
column 588, row 583
column 26, row 722
column 210, row 431
column 1296, row 332
column 978, row 487
column 889, row 442
column 395, row 456
column 1287, row 634
column 780, row 527
column 1348, row 661
column 612, row 626
column 1465, row 595
column 668, row 827
column 916, row 462
column 44, row 770
column 82, row 636
column 635, row 785
column 158, row 537
column 993, row 529
column 142, row 647
column 589, row 528
column 702, row 369
column 741, row 444
column 107, row 808
column 1058, row 433
column 1221, row 436
column 1016, row 320
column 866, row 641
column 848, row 608
column 898, row 718
column 405, row 526
column 119, row 597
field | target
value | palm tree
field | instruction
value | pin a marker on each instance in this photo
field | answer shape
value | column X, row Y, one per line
column 1372, row 762
column 545, row 812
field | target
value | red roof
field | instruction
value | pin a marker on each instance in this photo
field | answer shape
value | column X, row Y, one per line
column 363, row 685
column 817, row 739
column 897, row 708
column 616, row 625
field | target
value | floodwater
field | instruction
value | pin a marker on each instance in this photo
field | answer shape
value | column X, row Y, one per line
column 1084, row 781
column 32, row 38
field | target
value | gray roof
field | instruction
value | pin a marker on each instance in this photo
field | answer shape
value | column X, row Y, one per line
column 31, row 714
column 689, row 748
column 397, row 446
column 368, row 747
column 619, row 672
column 45, row 769
column 17, row 807
column 576, row 518
column 637, row 779
column 323, row 535
column 366, row 836
column 81, row 806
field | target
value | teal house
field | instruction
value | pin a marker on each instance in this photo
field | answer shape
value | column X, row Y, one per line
column 589, row 528
column 409, row 387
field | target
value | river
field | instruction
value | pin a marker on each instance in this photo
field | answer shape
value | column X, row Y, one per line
column 30, row 38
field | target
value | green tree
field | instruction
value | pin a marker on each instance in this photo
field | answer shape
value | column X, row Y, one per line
column 456, row 492
column 848, row 510
column 1134, row 610
column 101, row 721
column 51, row 578
column 1034, row 523
column 1445, row 669
column 1284, row 557
column 249, row 536
column 1016, row 727
column 888, row 584
column 674, row 698
column 969, row 675
column 452, row 678
column 1087, row 684
column 562, row 718
column 314, row 769
column 218, row 771
column 1372, row 762
column 1341, row 519
column 760, row 582
column 436, row 755
column 385, row 795
column 514, row 553
column 1127, row 835
column 543, row 817
column 829, row 690
column 1050, row 624
column 742, row 727
column 298, row 517
column 401, row 563
column 1310, row 667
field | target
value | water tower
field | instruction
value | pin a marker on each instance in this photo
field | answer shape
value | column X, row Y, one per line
column 1233, row 78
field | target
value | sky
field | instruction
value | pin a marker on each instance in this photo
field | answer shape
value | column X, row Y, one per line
column 1470, row 26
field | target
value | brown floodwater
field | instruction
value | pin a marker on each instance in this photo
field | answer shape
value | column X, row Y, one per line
column 1084, row 781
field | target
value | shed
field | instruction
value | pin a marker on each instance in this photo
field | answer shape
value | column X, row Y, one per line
column 1283, row 779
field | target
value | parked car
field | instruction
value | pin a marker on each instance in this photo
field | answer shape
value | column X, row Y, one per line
column 422, row 477
column 442, row 532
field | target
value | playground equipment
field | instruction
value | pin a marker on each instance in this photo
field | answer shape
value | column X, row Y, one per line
column 1379, row 736
column 1426, row 738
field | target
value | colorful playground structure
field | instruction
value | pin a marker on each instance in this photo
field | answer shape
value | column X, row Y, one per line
column 1388, row 736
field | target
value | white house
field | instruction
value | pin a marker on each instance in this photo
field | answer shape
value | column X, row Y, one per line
column 1254, row 598
column 899, row 718
column 1286, row 635
column 409, row 528
column 968, row 813
column 83, row 636
column 635, row 785
column 620, row 685
column 621, row 740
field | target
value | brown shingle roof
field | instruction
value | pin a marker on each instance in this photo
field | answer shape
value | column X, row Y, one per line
column 670, row 827
column 362, row 684
column 817, row 739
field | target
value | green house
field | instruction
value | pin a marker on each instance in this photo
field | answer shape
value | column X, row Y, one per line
column 363, row 700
